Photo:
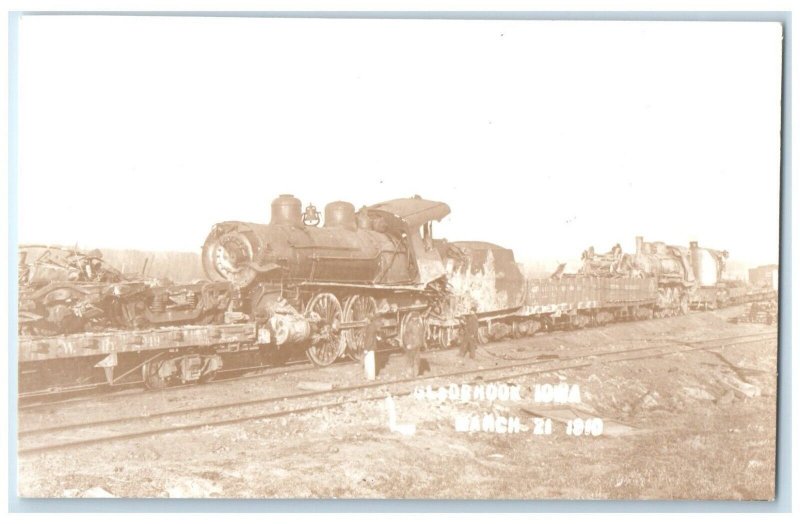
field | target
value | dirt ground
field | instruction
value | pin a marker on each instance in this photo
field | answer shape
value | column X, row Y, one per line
column 698, row 425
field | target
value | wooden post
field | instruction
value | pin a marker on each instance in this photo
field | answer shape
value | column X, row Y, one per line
column 369, row 365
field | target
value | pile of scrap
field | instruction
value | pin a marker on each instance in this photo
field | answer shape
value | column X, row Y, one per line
column 765, row 312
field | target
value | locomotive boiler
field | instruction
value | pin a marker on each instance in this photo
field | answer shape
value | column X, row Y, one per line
column 290, row 248
column 318, row 283
column 670, row 264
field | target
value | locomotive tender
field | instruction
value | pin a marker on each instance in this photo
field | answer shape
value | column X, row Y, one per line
column 296, row 282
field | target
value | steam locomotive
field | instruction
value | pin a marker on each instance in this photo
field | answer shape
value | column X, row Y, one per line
column 320, row 284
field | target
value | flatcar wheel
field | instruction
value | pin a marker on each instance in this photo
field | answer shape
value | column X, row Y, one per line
column 207, row 377
column 151, row 376
column 357, row 308
column 327, row 342
column 438, row 337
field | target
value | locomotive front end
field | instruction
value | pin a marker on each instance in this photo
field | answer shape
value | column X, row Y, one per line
column 241, row 252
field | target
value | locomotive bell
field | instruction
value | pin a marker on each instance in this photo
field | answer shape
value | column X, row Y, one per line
column 310, row 216
column 340, row 214
column 286, row 211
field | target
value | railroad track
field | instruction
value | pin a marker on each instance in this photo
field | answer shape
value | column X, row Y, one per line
column 91, row 392
column 53, row 438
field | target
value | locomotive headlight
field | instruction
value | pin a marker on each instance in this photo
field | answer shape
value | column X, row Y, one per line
column 238, row 253
column 230, row 257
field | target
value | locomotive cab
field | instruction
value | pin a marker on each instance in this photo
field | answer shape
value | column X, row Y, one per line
column 412, row 220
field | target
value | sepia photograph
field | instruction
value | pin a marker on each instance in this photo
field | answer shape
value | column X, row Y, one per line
column 364, row 258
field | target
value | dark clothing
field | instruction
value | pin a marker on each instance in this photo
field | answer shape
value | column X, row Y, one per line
column 371, row 335
column 413, row 340
column 470, row 341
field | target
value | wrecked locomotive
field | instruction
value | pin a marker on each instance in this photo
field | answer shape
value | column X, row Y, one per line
column 319, row 283
column 688, row 278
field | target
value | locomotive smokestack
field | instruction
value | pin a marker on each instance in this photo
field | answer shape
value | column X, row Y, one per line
column 639, row 241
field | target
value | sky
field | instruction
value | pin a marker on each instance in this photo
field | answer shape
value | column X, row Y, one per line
column 544, row 137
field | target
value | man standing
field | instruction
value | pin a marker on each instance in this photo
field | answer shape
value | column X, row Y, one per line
column 470, row 341
column 371, row 337
column 413, row 340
